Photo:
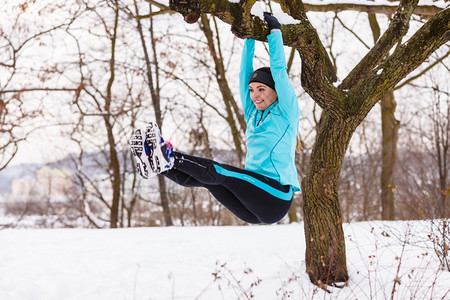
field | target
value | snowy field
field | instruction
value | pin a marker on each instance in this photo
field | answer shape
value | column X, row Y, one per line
column 258, row 262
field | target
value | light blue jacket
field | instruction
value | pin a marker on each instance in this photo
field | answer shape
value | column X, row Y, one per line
column 271, row 134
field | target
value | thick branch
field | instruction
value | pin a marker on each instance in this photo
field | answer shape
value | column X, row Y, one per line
column 424, row 11
column 318, row 72
column 404, row 60
column 396, row 30
column 236, row 14
column 39, row 89
column 431, row 66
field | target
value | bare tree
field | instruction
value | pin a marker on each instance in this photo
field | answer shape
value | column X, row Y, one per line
column 344, row 106
column 101, row 106
column 20, row 81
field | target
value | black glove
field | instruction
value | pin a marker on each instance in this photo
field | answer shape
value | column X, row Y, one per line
column 271, row 21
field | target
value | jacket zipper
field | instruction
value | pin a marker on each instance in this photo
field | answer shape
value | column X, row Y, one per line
column 262, row 115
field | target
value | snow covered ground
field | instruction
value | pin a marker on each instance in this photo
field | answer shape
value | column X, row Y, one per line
column 263, row 262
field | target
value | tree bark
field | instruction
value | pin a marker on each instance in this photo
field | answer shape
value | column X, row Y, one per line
column 325, row 244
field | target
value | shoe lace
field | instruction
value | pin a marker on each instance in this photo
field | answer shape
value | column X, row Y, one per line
column 169, row 145
column 169, row 149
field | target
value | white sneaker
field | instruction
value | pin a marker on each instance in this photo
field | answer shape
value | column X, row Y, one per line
column 160, row 151
column 141, row 154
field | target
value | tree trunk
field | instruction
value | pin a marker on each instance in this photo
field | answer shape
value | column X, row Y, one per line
column 156, row 101
column 116, row 179
column 389, row 127
column 113, row 159
column 325, row 243
column 292, row 213
column 344, row 107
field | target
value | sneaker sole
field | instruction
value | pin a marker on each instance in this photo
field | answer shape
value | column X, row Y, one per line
column 140, row 153
column 153, row 140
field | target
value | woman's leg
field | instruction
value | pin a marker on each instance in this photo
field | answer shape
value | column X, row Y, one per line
column 240, row 190
column 221, row 193
column 153, row 156
column 233, row 204
column 268, row 208
column 181, row 178
column 265, row 198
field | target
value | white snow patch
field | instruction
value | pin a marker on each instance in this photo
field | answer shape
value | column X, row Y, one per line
column 180, row 263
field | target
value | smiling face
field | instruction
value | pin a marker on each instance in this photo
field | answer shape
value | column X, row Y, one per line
column 262, row 95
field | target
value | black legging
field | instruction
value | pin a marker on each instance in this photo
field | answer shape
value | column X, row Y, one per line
column 252, row 197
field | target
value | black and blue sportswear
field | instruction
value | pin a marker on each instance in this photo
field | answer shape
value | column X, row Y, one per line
column 263, row 191
column 252, row 197
column 272, row 133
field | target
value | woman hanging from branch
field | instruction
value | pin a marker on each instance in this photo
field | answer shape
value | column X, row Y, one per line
column 263, row 191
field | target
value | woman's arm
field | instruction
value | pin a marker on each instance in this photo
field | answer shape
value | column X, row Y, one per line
column 286, row 93
column 244, row 76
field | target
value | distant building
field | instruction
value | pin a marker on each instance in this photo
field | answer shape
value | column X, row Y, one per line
column 48, row 182
column 53, row 182
column 22, row 186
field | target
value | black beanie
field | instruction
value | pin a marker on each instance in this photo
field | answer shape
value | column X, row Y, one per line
column 263, row 75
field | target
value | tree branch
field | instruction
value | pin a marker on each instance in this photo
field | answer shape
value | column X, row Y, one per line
column 396, row 30
column 31, row 89
column 404, row 60
column 238, row 15
column 439, row 60
column 318, row 72
column 424, row 11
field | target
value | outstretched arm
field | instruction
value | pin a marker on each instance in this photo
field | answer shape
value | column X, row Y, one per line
column 283, row 86
column 244, row 76
column 278, row 66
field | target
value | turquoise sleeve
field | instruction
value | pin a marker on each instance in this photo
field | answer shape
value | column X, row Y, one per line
column 283, row 86
column 244, row 76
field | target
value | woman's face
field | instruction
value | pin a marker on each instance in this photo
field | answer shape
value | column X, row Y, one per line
column 262, row 95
